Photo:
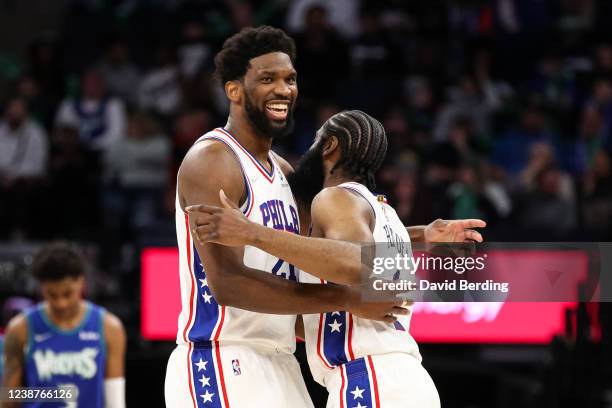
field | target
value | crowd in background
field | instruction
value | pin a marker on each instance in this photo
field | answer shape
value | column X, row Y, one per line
column 500, row 110
column 494, row 109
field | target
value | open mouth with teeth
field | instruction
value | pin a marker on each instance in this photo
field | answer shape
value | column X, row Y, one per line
column 277, row 111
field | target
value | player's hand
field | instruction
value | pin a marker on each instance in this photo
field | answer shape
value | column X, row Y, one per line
column 385, row 310
column 225, row 225
column 454, row 230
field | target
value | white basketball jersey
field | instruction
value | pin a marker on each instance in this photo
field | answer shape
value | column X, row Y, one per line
column 269, row 202
column 335, row 338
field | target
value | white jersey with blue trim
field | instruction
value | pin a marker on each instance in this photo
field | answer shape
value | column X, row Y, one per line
column 270, row 203
column 333, row 339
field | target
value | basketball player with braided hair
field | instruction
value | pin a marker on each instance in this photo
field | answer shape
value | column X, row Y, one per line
column 361, row 362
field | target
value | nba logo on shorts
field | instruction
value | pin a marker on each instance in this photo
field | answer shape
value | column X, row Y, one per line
column 236, row 367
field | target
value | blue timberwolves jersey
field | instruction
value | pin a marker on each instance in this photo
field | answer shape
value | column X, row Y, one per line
column 77, row 357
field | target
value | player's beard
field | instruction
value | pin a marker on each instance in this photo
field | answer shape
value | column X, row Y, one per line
column 263, row 125
column 308, row 178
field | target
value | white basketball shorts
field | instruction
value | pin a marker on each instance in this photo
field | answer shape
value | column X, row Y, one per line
column 233, row 376
column 382, row 381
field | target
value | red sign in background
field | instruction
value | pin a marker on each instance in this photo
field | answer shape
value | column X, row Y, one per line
column 460, row 322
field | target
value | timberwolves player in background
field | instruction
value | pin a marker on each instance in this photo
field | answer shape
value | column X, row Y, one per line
column 236, row 330
column 65, row 340
column 362, row 363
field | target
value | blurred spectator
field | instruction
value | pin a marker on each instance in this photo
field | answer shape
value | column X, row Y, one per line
column 544, row 211
column 188, row 128
column 470, row 100
column 412, row 204
column 591, row 137
column 472, row 196
column 44, row 66
column 597, row 211
column 511, row 150
column 100, row 118
column 372, row 53
column 318, row 42
column 119, row 74
column 41, row 108
column 602, row 100
column 343, row 15
column 160, row 88
column 603, row 60
column 135, row 174
column 194, row 52
column 421, row 102
column 23, row 162
column 554, row 81
column 74, row 172
column 541, row 157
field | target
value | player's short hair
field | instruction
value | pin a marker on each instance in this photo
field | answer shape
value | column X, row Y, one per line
column 232, row 62
column 362, row 141
column 57, row 261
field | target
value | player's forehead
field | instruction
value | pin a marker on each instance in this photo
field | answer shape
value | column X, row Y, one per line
column 60, row 284
column 276, row 63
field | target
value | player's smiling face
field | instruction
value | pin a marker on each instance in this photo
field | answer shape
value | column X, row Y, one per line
column 270, row 91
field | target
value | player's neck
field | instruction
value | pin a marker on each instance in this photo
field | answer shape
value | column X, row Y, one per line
column 246, row 135
column 68, row 322
column 336, row 178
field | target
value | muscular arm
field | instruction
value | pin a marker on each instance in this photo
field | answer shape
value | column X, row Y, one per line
column 14, row 343
column 230, row 281
column 337, row 216
column 343, row 220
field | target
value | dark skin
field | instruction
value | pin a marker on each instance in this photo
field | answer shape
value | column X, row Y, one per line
column 270, row 78
column 341, row 221
column 66, row 309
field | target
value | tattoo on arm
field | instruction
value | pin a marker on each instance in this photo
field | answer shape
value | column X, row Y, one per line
column 13, row 355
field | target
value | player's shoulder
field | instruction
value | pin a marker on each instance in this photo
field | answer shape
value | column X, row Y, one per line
column 340, row 198
column 113, row 327
column 208, row 155
column 17, row 327
column 335, row 194
column 208, row 148
column 284, row 165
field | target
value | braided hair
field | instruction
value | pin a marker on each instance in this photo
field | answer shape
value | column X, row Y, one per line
column 363, row 144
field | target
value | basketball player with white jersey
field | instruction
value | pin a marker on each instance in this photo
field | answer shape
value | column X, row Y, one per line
column 362, row 363
column 236, row 331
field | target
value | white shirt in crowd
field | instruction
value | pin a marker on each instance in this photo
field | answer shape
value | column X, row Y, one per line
column 23, row 151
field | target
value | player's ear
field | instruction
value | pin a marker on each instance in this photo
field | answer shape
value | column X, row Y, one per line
column 233, row 90
column 330, row 145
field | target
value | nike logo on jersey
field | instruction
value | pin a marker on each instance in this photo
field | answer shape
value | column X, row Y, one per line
column 42, row 337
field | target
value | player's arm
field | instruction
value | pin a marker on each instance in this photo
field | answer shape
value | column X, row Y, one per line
column 230, row 281
column 15, row 340
column 114, row 383
column 416, row 233
column 447, row 231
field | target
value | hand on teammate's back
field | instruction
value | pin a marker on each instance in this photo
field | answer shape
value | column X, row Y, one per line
column 225, row 225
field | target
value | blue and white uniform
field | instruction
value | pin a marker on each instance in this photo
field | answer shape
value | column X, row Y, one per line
column 229, row 357
column 366, row 363
column 55, row 357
